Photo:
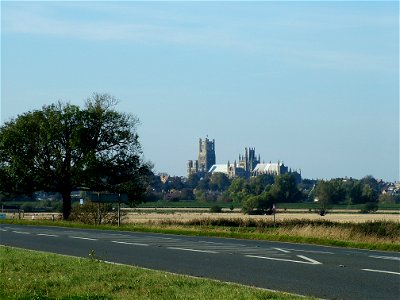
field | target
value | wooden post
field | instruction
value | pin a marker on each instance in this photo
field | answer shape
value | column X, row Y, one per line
column 98, row 208
column 274, row 212
column 119, row 210
column 119, row 214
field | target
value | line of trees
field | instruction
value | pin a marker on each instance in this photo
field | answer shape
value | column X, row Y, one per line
column 351, row 191
column 258, row 194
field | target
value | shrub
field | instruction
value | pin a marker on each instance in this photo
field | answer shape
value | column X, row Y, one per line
column 27, row 207
column 260, row 205
column 322, row 211
column 215, row 209
column 369, row 207
column 93, row 213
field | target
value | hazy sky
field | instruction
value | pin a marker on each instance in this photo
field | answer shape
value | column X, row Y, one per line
column 313, row 84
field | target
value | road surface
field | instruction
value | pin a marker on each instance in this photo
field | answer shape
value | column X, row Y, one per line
column 323, row 272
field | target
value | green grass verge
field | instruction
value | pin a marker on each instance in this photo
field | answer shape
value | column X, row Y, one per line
column 250, row 233
column 29, row 274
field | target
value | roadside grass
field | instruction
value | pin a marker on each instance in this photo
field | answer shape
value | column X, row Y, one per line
column 30, row 274
column 378, row 235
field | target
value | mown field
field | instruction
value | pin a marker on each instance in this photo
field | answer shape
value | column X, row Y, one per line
column 36, row 275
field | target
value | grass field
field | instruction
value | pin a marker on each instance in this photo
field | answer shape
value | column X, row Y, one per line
column 35, row 275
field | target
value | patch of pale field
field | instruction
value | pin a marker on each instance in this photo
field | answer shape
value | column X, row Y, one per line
column 336, row 233
column 143, row 216
column 151, row 217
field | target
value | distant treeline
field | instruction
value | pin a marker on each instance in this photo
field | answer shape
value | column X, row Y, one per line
column 260, row 193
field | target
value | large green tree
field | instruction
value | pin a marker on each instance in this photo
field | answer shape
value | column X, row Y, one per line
column 238, row 190
column 62, row 147
column 285, row 189
column 258, row 184
column 259, row 204
column 219, row 182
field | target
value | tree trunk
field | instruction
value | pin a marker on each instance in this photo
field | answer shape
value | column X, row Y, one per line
column 66, row 204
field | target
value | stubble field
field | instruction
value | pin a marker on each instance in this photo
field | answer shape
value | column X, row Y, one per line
column 163, row 215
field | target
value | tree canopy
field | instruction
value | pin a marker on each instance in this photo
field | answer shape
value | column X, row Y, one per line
column 62, row 147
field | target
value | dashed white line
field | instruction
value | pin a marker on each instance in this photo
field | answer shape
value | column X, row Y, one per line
column 381, row 271
column 223, row 244
column 128, row 243
column 213, row 243
column 21, row 232
column 82, row 238
column 386, row 257
column 44, row 234
column 307, row 259
column 192, row 250
column 282, row 250
column 310, row 251
column 3, row 230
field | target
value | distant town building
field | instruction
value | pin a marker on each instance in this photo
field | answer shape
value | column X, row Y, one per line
column 163, row 177
column 243, row 168
column 205, row 160
column 275, row 169
column 270, row 168
column 230, row 170
column 248, row 161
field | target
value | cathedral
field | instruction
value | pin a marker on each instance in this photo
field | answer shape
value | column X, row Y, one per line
column 248, row 164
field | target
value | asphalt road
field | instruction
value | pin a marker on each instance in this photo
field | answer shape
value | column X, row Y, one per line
column 323, row 272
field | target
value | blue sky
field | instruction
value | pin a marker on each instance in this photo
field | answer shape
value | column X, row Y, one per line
column 313, row 84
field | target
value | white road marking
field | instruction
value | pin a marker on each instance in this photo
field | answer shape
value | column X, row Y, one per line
column 127, row 243
column 82, row 238
column 214, row 243
column 44, row 234
column 308, row 260
column 21, row 232
column 381, row 271
column 223, row 244
column 386, row 257
column 312, row 261
column 310, row 251
column 282, row 250
column 193, row 250
column 3, row 230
